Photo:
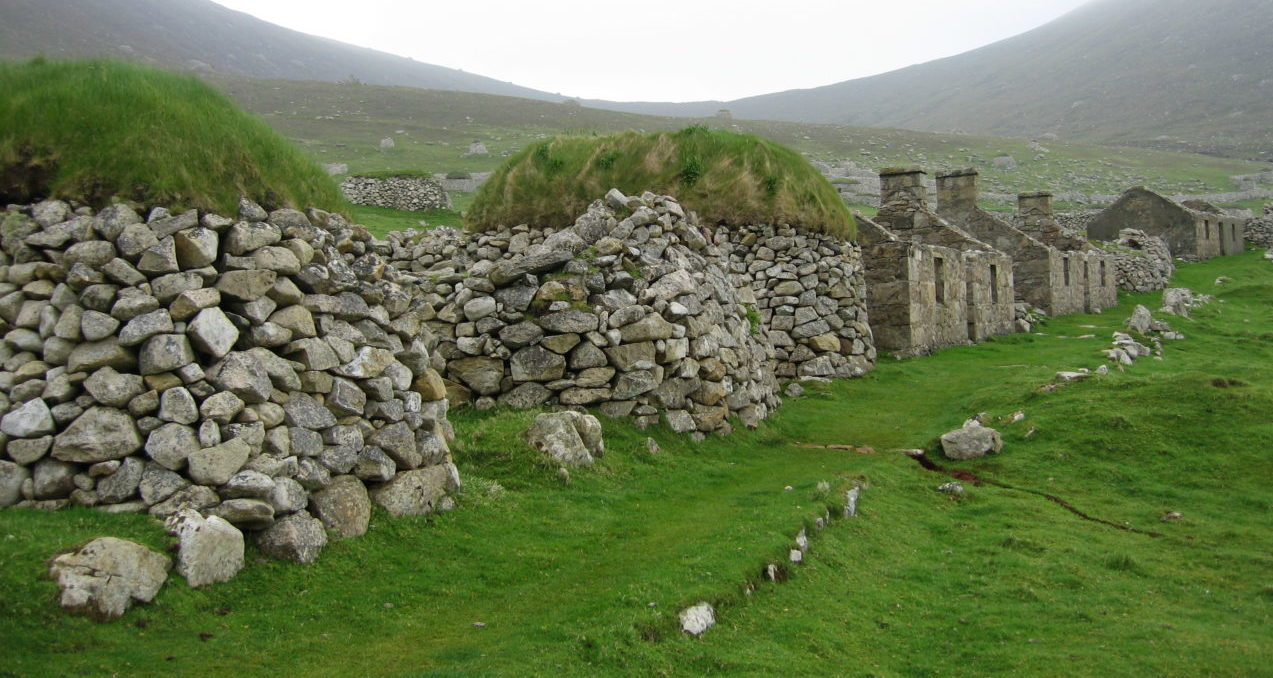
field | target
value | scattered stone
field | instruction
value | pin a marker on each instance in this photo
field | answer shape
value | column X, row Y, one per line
column 697, row 619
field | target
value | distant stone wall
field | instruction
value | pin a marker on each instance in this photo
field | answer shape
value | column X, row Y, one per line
column 413, row 194
column 1259, row 231
column 263, row 368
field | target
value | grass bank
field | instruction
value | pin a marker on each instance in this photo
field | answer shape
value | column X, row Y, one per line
column 1000, row 581
column 91, row 130
column 725, row 177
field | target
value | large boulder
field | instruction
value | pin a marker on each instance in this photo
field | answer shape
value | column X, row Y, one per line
column 571, row 438
column 343, row 506
column 100, row 434
column 209, row 550
column 102, row 578
column 297, row 538
column 419, row 492
column 972, row 441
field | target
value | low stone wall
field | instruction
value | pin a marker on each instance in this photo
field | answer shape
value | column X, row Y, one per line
column 1259, row 231
column 1143, row 261
column 399, row 193
column 646, row 314
column 264, row 369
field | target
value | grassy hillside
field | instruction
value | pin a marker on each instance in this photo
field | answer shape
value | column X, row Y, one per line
column 93, row 130
column 158, row 33
column 530, row 577
column 1172, row 74
column 725, row 177
column 432, row 131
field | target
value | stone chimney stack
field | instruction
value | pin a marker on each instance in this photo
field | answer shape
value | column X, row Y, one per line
column 957, row 191
column 902, row 195
column 1038, row 219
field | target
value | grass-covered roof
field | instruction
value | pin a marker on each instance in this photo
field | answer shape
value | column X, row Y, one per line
column 90, row 130
column 726, row 177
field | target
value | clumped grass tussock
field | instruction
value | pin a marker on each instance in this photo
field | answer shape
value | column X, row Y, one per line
column 92, row 130
column 727, row 178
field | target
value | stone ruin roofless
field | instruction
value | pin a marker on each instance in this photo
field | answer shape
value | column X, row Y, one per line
column 932, row 283
column 960, row 273
column 1194, row 231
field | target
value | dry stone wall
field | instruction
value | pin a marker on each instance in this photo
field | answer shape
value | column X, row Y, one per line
column 810, row 292
column 399, row 193
column 1259, row 231
column 264, row 368
column 1143, row 261
column 641, row 310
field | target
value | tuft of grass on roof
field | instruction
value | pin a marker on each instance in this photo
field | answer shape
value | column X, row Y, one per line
column 727, row 178
column 92, row 130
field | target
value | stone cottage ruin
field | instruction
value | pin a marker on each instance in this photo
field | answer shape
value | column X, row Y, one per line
column 1193, row 231
column 949, row 276
column 920, row 252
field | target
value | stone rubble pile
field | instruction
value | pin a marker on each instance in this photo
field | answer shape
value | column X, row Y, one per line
column 1144, row 262
column 398, row 193
column 641, row 310
column 263, row 369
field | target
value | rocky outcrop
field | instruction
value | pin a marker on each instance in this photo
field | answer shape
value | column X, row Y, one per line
column 641, row 310
column 410, row 193
column 229, row 366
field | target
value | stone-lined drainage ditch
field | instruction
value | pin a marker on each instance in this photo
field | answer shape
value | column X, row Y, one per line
column 698, row 618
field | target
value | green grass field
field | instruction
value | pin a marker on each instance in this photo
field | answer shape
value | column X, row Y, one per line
column 432, row 131
column 586, row 578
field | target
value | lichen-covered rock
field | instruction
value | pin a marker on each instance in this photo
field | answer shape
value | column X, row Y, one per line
column 971, row 441
column 297, row 538
column 419, row 492
column 570, row 438
column 102, row 578
column 697, row 619
column 209, row 550
column 343, row 506
column 100, row 434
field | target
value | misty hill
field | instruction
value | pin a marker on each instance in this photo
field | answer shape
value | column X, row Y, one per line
column 1177, row 74
column 205, row 37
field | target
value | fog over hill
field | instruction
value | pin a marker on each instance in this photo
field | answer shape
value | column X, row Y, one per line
column 1177, row 74
column 205, row 37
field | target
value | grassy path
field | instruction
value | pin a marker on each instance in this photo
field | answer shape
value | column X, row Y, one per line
column 998, row 582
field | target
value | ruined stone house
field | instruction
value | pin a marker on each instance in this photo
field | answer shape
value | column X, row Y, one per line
column 904, row 279
column 909, row 251
column 1098, row 268
column 1051, row 272
column 1193, row 232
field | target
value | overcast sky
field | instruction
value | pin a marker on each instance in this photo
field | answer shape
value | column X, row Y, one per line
column 664, row 50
